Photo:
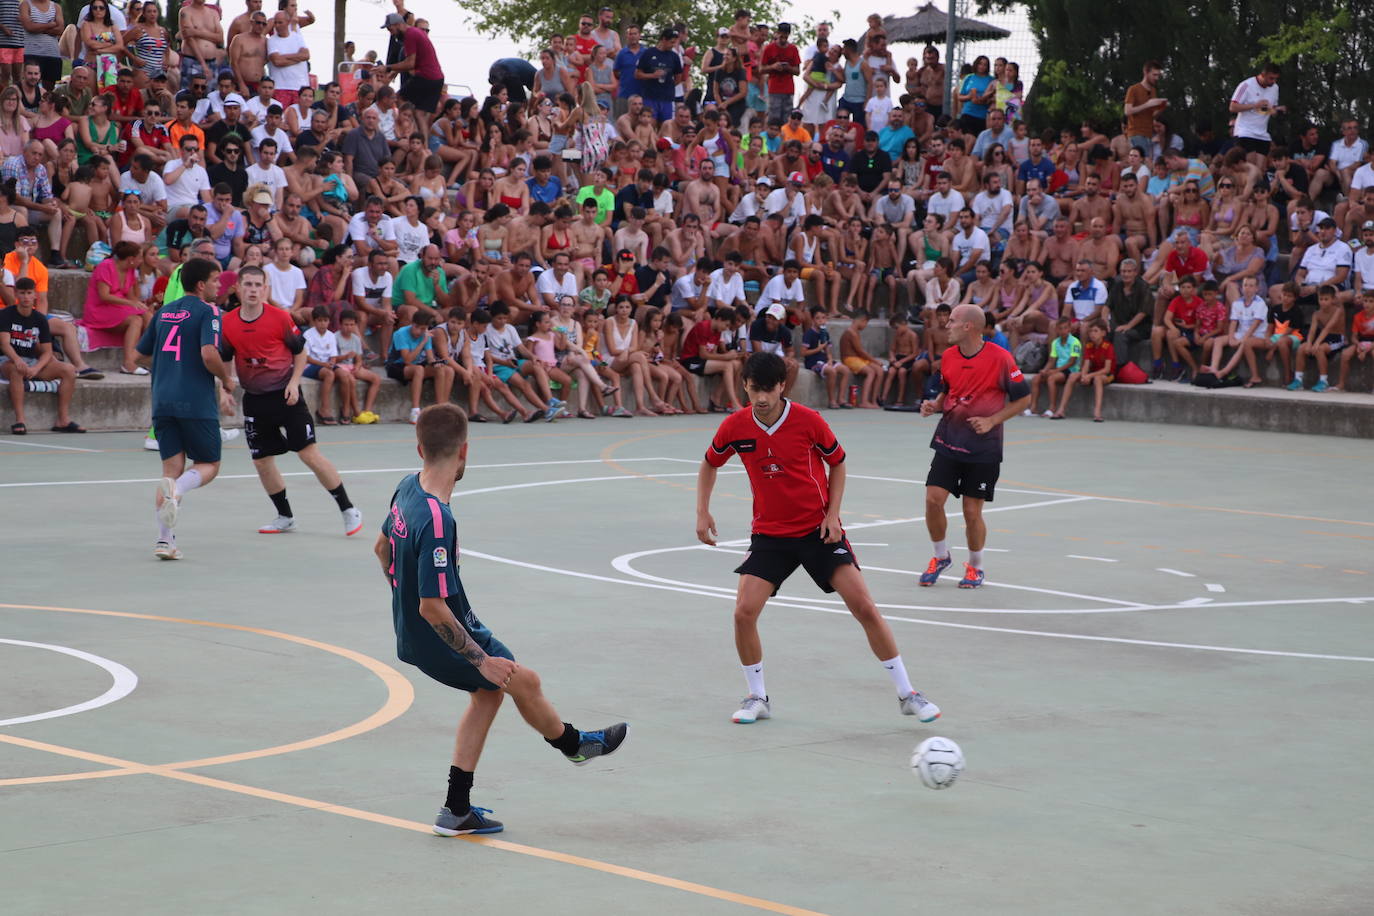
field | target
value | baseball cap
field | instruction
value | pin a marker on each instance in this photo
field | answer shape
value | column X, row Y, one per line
column 796, row 113
column 765, row 180
column 667, row 33
column 1327, row 223
column 393, row 19
column 722, row 31
column 797, row 178
column 262, row 197
column 1367, row 226
column 775, row 311
column 234, row 98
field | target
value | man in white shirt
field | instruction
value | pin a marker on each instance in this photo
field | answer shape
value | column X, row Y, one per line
column 945, row 202
column 370, row 230
column 286, row 282
column 1347, row 154
column 152, row 193
column 970, row 246
column 271, row 129
column 411, row 234
column 994, row 208
column 726, row 289
column 255, row 109
column 689, row 290
column 783, row 289
column 1364, row 258
column 788, row 201
column 1086, row 297
column 187, row 181
column 1328, row 261
column 753, row 203
column 286, row 60
column 1252, row 103
column 370, row 291
column 265, row 171
column 557, row 282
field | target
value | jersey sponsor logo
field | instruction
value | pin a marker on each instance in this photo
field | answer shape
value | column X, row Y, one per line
column 440, row 557
column 744, row 445
column 840, row 551
column 176, row 316
column 398, row 522
column 771, row 468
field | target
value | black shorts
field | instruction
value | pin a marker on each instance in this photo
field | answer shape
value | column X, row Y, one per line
column 694, row 366
column 198, row 440
column 461, row 674
column 1251, row 145
column 774, row 559
column 971, row 125
column 274, row 427
column 423, row 94
column 964, row 478
column 397, row 372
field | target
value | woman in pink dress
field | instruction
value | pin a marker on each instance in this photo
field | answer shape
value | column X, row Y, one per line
column 114, row 316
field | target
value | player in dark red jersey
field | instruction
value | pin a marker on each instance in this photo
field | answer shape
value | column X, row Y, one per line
column 785, row 449
column 270, row 358
column 981, row 388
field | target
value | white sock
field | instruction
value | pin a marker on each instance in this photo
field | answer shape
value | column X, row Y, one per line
column 188, row 481
column 163, row 532
column 1321, row 378
column 897, row 671
column 753, row 674
column 975, row 559
column 941, row 549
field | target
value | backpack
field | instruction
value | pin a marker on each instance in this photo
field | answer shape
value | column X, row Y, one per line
column 1030, row 356
column 1131, row 374
column 1212, row 380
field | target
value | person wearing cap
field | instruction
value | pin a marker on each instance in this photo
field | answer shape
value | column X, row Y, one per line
column 769, row 334
column 781, row 62
column 1328, row 261
column 871, row 166
column 231, row 126
column 421, row 63
column 793, row 130
column 754, row 203
column 659, row 70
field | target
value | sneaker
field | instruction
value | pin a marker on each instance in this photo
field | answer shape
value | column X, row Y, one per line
column 598, row 744
column 149, row 444
column 1027, row 412
column 1295, row 385
column 1320, row 386
column 751, row 709
column 165, row 550
column 933, row 570
column 1184, row 378
column 551, row 413
column 1048, row 414
column 916, row 705
column 227, row 434
column 973, row 578
column 279, row 525
column 167, row 509
column 446, row 823
column 1157, row 372
column 621, row 412
column 352, row 521
column 414, row 415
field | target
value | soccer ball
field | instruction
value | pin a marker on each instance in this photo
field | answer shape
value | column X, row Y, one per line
column 937, row 762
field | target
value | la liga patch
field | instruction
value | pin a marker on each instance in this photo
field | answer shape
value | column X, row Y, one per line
column 440, row 557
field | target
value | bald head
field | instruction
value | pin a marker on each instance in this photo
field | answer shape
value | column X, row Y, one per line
column 968, row 314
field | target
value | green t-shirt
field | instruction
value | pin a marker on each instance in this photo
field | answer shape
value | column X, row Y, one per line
column 412, row 277
column 1066, row 354
column 605, row 202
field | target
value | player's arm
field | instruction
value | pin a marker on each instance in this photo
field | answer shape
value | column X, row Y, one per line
column 383, row 551
column 438, row 615
column 831, row 530
column 296, row 344
column 706, row 482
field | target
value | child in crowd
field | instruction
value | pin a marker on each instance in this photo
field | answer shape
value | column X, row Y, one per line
column 817, row 356
column 507, row 359
column 1324, row 338
column 1361, row 343
column 1065, row 357
column 1248, row 332
column 411, row 360
column 867, row 370
column 675, row 330
column 351, row 367
column 904, row 362
column 1097, row 369
column 1285, row 319
column 1209, row 326
column 1178, row 331
column 321, row 353
column 491, row 385
column 544, row 345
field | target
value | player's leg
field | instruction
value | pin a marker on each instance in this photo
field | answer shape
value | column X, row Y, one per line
column 180, row 440
column 458, row 817
column 328, row 476
column 275, row 487
column 526, row 689
column 941, row 481
column 976, row 530
column 751, row 595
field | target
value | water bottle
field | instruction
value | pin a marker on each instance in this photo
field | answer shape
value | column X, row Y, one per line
column 40, row 386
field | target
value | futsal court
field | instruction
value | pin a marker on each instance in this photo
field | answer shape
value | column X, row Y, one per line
column 1163, row 692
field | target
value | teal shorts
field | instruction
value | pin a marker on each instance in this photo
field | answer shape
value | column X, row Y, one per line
column 1292, row 338
column 504, row 373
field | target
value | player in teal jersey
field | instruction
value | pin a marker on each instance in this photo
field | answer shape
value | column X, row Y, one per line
column 437, row 631
column 182, row 346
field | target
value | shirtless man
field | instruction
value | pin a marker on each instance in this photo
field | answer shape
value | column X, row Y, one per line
column 202, row 40
column 248, row 52
column 687, row 243
column 515, row 287
column 1135, row 218
column 289, row 224
column 773, row 235
column 1061, row 251
column 1090, row 206
column 523, row 232
column 701, row 198
column 753, row 253
column 625, row 124
column 930, row 81
column 631, row 235
column 960, row 167
column 585, row 238
column 241, row 21
column 1102, row 248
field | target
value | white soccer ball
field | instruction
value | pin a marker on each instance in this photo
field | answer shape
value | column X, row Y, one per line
column 937, row 762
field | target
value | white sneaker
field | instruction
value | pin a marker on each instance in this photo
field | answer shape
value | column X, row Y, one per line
column 149, row 444
column 414, row 415
column 353, row 522
column 916, row 705
column 166, row 551
column 1027, row 413
column 751, row 709
column 1048, row 415
column 228, row 434
column 167, row 509
column 279, row 525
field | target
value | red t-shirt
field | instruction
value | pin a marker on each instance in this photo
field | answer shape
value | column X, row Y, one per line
column 700, row 339
column 1362, row 325
column 976, row 386
column 1185, row 310
column 1098, row 356
column 129, row 107
column 263, row 349
column 1196, row 263
column 585, row 45
column 786, row 466
column 853, row 129
column 1208, row 319
column 781, row 83
column 426, row 61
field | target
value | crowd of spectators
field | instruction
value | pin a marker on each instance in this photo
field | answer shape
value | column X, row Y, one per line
column 643, row 206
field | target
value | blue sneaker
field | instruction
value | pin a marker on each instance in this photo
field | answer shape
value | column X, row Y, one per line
column 598, row 744
column 1320, row 386
column 973, row 578
column 937, row 566
column 1295, row 385
column 446, row 823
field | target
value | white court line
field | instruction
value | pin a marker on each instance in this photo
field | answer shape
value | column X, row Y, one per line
column 1196, row 602
column 1076, row 556
column 1175, row 572
column 918, row 518
column 124, row 683
column 1214, row 587
column 64, row 448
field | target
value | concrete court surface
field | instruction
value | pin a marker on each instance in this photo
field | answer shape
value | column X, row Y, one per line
column 1163, row 693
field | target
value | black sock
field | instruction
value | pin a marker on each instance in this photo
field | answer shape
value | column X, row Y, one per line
column 280, row 501
column 568, row 741
column 459, row 791
column 341, row 497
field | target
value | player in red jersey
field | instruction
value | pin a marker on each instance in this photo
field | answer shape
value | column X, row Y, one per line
column 270, row 358
column 981, row 388
column 785, row 449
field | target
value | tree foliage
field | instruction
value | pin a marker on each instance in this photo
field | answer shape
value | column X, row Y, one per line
column 1092, row 51
column 531, row 22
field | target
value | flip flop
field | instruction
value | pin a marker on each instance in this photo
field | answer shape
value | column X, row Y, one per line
column 476, row 418
column 72, row 427
column 1098, row 420
column 18, row 429
column 508, row 417
column 90, row 374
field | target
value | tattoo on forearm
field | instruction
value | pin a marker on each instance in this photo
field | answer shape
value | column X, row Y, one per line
column 459, row 641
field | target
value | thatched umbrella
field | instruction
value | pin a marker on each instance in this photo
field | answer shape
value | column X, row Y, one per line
column 931, row 25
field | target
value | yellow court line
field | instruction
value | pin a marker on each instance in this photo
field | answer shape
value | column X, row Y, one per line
column 399, row 698
column 1333, row 534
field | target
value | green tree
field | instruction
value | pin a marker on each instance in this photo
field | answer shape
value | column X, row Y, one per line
column 1091, row 52
column 531, row 22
